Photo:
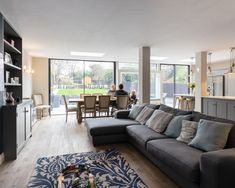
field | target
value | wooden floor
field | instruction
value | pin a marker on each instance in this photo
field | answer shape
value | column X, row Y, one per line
column 52, row 136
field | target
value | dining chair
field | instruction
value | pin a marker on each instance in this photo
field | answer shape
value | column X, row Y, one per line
column 89, row 106
column 104, row 104
column 121, row 103
column 39, row 106
column 69, row 108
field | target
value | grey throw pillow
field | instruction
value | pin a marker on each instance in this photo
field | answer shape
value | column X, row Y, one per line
column 211, row 135
column 174, row 128
column 159, row 120
column 135, row 111
column 144, row 115
column 188, row 131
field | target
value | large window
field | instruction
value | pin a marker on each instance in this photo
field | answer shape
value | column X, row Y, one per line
column 174, row 79
column 128, row 74
column 75, row 77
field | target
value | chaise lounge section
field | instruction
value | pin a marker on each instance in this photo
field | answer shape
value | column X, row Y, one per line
column 188, row 166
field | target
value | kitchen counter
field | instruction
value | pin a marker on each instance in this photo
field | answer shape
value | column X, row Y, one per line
column 219, row 106
column 220, row 97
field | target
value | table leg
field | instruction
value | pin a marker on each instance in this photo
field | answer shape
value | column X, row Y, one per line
column 182, row 104
column 79, row 113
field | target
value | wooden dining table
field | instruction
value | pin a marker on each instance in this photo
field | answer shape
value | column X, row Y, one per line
column 80, row 102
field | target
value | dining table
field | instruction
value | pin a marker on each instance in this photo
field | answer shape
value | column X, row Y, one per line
column 80, row 102
column 191, row 96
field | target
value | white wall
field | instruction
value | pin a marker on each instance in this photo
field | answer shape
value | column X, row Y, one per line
column 40, row 79
column 27, row 76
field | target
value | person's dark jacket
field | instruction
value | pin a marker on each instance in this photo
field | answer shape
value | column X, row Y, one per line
column 120, row 92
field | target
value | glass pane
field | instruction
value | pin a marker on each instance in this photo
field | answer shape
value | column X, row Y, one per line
column 65, row 79
column 167, row 79
column 181, row 79
column 129, row 76
column 98, row 77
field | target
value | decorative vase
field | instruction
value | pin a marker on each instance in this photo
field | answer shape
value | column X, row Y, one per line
column 9, row 98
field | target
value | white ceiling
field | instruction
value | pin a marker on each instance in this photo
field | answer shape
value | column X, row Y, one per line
column 174, row 29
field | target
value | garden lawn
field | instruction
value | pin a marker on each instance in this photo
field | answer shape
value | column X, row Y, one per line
column 80, row 91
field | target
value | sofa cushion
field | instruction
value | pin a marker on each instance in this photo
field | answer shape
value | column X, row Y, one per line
column 173, row 111
column 159, row 120
column 211, row 135
column 135, row 111
column 183, row 159
column 196, row 116
column 174, row 128
column 188, row 131
column 144, row 115
column 104, row 126
column 142, row 134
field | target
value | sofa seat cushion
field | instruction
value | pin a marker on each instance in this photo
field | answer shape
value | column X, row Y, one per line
column 142, row 134
column 183, row 159
column 104, row 126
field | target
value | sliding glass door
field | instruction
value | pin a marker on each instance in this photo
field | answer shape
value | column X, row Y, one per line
column 74, row 77
column 174, row 80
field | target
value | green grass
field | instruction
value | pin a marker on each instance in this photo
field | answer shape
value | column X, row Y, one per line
column 80, row 91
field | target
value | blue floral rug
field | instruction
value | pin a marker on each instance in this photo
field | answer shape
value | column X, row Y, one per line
column 109, row 168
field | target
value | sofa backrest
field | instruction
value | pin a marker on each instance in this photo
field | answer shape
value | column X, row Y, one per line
column 174, row 111
column 196, row 116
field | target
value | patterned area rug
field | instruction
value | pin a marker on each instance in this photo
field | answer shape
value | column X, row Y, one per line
column 109, row 168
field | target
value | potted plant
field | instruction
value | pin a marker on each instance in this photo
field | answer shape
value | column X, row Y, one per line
column 192, row 86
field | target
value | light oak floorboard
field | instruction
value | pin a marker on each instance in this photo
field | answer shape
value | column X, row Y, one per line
column 52, row 136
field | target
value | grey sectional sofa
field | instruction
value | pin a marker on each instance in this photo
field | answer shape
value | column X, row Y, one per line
column 187, row 166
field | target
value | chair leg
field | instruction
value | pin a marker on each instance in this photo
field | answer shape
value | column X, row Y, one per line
column 66, row 116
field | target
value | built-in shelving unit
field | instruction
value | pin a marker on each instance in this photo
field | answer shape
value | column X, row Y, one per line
column 10, row 48
column 12, row 53
column 11, row 66
column 15, row 124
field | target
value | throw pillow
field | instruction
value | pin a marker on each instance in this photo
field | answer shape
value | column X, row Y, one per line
column 188, row 131
column 159, row 120
column 174, row 128
column 144, row 115
column 211, row 135
column 135, row 111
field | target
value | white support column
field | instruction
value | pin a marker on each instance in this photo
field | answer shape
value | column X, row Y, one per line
column 144, row 74
column 200, row 78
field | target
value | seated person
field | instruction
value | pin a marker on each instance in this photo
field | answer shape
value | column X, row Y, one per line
column 133, row 97
column 121, row 91
column 112, row 90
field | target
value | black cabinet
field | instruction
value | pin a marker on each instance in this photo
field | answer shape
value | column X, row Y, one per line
column 16, row 127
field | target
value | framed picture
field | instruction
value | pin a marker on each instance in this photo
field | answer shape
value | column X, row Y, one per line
column 8, row 58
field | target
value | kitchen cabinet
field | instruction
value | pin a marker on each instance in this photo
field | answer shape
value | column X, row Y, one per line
column 221, row 107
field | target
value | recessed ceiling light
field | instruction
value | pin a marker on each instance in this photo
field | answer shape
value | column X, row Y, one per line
column 87, row 54
column 155, row 58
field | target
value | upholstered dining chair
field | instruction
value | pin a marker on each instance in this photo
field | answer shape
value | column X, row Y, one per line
column 121, row 103
column 89, row 106
column 69, row 108
column 39, row 106
column 104, row 104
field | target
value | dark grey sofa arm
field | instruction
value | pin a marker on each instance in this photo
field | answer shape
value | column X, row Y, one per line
column 218, row 169
column 122, row 114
